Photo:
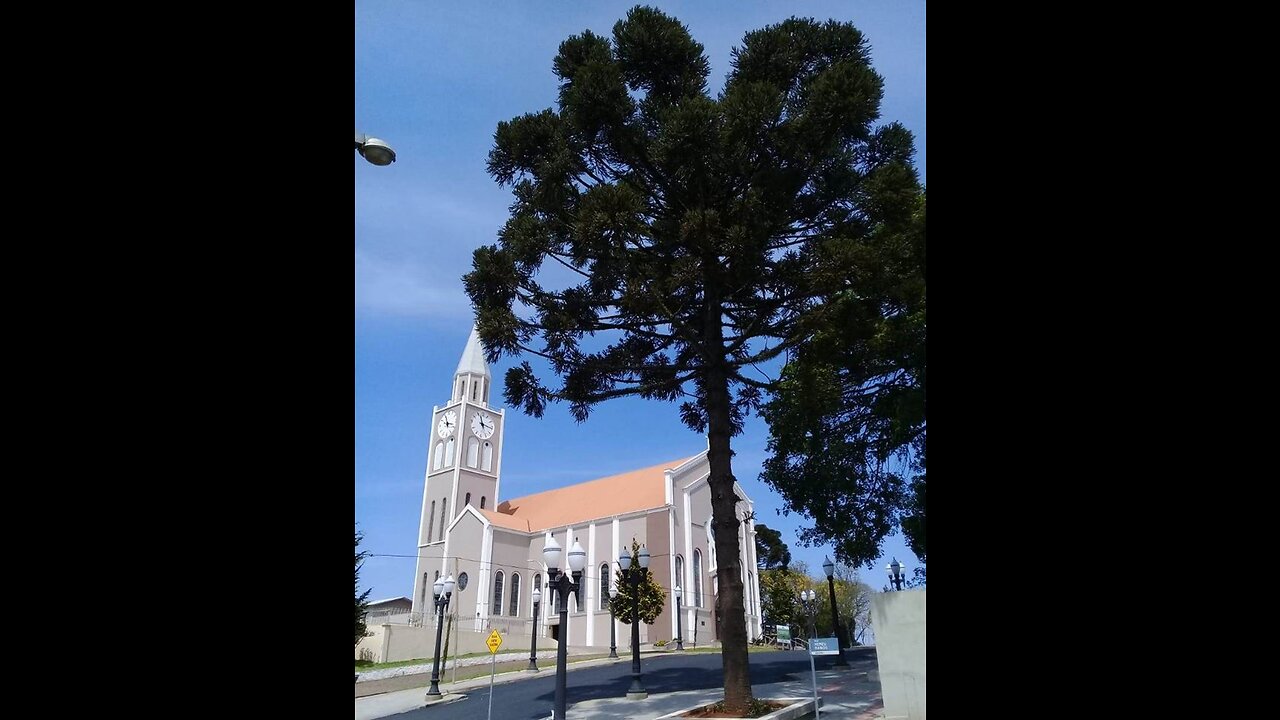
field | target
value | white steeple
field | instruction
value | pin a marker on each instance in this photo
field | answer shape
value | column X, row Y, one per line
column 473, row 357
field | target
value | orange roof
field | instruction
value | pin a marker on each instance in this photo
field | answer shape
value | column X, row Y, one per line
column 605, row 497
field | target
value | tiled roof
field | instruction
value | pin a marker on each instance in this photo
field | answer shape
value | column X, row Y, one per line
column 614, row 495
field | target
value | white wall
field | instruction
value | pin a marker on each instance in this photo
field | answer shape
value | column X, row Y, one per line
column 899, row 620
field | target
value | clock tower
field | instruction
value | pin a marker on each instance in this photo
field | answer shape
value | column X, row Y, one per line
column 463, row 462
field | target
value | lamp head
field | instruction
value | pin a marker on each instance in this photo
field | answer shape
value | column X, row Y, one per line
column 644, row 557
column 449, row 585
column 678, row 592
column 577, row 557
column 613, row 590
column 624, row 560
column 551, row 553
column 438, row 587
column 829, row 567
column 537, row 596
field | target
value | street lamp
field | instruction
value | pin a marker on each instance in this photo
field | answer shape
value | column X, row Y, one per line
column 557, row 580
column 533, row 636
column 374, row 150
column 830, row 568
column 613, row 641
column 811, row 612
column 637, row 691
column 442, row 591
column 895, row 573
column 679, row 628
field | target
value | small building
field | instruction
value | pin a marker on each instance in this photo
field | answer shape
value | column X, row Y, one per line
column 394, row 610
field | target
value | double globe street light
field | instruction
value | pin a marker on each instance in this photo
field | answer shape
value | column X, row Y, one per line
column 442, row 591
column 896, row 575
column 558, row 581
column 633, row 574
column 533, row 636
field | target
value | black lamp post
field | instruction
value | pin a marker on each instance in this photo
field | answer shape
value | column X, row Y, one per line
column 830, row 569
column 895, row 573
column 679, row 627
column 443, row 590
column 637, row 691
column 533, row 636
column 558, row 581
column 374, row 150
column 613, row 630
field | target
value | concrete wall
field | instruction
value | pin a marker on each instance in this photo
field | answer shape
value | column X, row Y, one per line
column 392, row 643
column 899, row 620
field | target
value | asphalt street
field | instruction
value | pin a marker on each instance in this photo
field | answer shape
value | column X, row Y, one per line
column 532, row 699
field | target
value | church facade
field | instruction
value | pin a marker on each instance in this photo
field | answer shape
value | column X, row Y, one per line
column 493, row 546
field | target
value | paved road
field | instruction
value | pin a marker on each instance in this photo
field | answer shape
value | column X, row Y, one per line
column 532, row 699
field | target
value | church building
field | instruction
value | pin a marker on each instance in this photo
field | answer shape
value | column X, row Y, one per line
column 492, row 545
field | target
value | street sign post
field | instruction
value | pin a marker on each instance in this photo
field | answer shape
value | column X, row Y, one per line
column 784, row 635
column 494, row 641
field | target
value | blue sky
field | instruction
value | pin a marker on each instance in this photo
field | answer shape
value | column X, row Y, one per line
column 433, row 79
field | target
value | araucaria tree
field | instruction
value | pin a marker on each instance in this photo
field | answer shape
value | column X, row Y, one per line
column 685, row 236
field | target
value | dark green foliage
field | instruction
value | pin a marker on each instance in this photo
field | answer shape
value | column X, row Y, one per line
column 771, row 552
column 666, row 244
column 849, row 415
column 362, row 599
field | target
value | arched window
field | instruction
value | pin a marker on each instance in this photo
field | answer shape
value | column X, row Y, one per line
column 697, row 578
column 444, row 514
column 439, row 455
column 475, row 388
column 481, row 502
column 487, row 457
column 431, row 520
column 448, row 452
column 468, row 499
column 604, row 585
column 515, row 595
column 473, row 452
column 437, row 578
column 497, row 593
column 680, row 578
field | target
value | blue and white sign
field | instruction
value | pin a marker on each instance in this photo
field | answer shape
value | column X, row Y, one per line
column 823, row 646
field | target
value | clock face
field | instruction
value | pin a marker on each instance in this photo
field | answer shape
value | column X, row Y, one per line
column 448, row 422
column 482, row 425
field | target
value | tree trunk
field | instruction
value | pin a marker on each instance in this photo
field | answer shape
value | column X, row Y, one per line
column 729, row 601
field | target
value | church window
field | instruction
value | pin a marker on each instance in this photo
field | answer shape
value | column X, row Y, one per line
column 468, row 499
column 537, row 585
column 481, row 502
column 604, row 585
column 497, row 593
column 431, row 520
column 488, row 457
column 473, row 452
column 444, row 513
column 439, row 455
column 698, row 578
column 475, row 388
column 515, row 595
column 448, row 452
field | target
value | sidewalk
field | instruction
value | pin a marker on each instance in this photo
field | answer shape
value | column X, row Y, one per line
column 846, row 693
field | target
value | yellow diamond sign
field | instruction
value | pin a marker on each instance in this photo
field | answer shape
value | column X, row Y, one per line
column 494, row 642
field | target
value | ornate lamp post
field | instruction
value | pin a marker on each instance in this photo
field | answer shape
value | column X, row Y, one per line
column 613, row 631
column 895, row 573
column 558, row 581
column 374, row 150
column 679, row 628
column 442, row 591
column 637, row 691
column 830, row 568
column 533, row 636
